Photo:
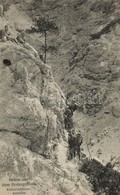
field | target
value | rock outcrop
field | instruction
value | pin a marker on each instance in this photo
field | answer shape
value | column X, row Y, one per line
column 32, row 105
column 86, row 66
column 32, row 137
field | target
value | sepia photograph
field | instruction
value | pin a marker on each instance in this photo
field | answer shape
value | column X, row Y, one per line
column 59, row 97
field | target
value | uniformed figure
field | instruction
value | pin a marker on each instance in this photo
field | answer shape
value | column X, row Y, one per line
column 79, row 141
column 7, row 35
column 68, row 119
column 71, row 143
column 21, row 37
column 74, row 142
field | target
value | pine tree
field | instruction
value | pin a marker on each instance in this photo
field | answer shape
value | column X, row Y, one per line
column 44, row 26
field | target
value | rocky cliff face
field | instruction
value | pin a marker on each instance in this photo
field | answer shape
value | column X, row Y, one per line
column 86, row 65
column 85, row 53
column 32, row 104
column 32, row 127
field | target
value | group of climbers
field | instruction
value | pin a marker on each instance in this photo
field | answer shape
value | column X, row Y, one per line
column 7, row 35
column 74, row 139
column 74, row 142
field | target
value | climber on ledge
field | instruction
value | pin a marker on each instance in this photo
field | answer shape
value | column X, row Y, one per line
column 73, row 105
column 74, row 143
column 71, row 145
column 7, row 35
column 21, row 37
column 22, row 40
column 68, row 121
column 79, row 141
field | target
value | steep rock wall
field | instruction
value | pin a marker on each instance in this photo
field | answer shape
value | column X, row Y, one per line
column 32, row 105
column 86, row 65
column 87, row 46
column 32, row 128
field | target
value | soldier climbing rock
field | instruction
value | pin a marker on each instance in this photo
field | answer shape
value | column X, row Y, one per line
column 7, row 35
column 68, row 119
column 73, row 107
column 74, row 142
column 71, row 143
column 79, row 141
column 21, row 39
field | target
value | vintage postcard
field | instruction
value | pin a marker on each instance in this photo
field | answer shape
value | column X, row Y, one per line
column 59, row 97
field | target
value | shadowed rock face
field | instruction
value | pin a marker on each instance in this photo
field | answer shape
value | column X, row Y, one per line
column 87, row 53
column 87, row 59
column 32, row 104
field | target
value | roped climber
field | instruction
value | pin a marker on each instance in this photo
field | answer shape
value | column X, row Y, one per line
column 68, row 121
column 79, row 141
column 21, row 37
column 74, row 143
column 7, row 35
column 22, row 40
column 71, row 144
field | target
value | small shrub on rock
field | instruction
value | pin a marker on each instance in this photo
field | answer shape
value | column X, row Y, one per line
column 103, row 178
